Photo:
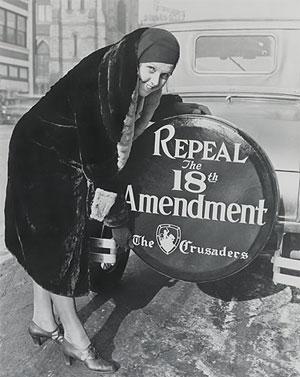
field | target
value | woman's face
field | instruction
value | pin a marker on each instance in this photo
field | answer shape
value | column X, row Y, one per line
column 153, row 76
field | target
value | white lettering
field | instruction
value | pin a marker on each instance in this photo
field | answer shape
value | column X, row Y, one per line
column 130, row 200
column 198, row 208
column 215, row 215
column 208, row 149
column 223, row 153
column 177, row 180
column 179, row 146
column 261, row 210
column 233, row 209
column 165, row 201
column 183, row 246
column 180, row 210
column 195, row 146
column 188, row 149
column 236, row 154
column 191, row 179
column 163, row 143
column 151, row 203
column 251, row 212
column 136, row 240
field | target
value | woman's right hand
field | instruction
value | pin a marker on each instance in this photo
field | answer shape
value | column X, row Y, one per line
column 122, row 236
column 191, row 108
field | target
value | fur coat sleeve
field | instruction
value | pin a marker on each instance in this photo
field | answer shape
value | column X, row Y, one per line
column 100, row 93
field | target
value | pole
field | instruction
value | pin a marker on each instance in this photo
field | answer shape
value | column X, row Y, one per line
column 34, row 46
column 60, row 40
column 96, row 39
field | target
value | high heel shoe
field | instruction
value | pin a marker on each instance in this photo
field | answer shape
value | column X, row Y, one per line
column 88, row 356
column 39, row 336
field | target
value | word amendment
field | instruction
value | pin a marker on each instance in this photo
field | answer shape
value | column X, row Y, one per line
column 195, row 182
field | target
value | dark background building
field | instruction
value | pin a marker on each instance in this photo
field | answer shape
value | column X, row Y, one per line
column 67, row 30
column 16, row 56
column 40, row 40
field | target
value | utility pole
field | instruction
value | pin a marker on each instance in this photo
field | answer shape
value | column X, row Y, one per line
column 96, row 38
column 60, row 39
column 34, row 46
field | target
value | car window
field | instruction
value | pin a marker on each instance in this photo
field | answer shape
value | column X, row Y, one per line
column 235, row 54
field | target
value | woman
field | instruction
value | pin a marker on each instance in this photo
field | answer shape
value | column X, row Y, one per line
column 70, row 147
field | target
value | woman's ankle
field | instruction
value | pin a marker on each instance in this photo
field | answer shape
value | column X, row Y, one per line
column 78, row 341
column 45, row 324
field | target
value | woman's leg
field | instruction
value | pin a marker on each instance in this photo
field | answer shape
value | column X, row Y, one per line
column 74, row 332
column 42, row 308
column 43, row 316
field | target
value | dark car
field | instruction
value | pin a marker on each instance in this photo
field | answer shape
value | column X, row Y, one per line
column 13, row 108
column 247, row 71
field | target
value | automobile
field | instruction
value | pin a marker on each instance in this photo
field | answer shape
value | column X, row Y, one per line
column 14, row 107
column 243, row 63
column 246, row 69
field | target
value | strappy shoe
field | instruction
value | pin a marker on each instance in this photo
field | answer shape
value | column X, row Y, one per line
column 88, row 356
column 40, row 336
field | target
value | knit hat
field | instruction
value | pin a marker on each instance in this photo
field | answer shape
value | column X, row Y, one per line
column 158, row 45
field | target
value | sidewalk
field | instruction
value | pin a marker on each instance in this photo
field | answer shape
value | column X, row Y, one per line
column 154, row 326
column 4, row 253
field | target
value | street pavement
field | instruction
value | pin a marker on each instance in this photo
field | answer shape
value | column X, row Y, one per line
column 155, row 326
column 5, row 133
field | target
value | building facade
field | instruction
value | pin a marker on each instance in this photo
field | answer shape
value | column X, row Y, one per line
column 67, row 30
column 157, row 12
column 16, row 50
column 121, row 17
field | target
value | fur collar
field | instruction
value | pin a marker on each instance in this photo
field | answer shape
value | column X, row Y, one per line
column 116, row 82
column 133, row 127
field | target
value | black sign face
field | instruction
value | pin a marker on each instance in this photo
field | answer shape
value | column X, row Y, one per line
column 203, row 197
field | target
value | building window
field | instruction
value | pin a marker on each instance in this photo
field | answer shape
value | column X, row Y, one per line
column 3, row 70
column 12, row 28
column 42, row 60
column 44, row 13
column 69, row 6
column 75, row 45
column 121, row 17
column 21, row 31
column 82, row 5
column 23, row 73
column 14, row 72
column 42, row 71
column 2, row 24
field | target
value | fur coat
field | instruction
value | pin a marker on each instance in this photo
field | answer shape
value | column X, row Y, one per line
column 60, row 151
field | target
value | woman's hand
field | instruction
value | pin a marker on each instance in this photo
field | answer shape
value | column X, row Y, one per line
column 190, row 108
column 121, row 236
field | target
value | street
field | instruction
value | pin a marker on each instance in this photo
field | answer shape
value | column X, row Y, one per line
column 155, row 326
column 5, row 132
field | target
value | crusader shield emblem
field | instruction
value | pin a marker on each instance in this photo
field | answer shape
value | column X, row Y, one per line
column 168, row 237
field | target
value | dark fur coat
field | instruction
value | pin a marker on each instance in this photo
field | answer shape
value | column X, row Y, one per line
column 60, row 150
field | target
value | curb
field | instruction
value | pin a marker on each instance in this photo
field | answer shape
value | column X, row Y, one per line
column 5, row 257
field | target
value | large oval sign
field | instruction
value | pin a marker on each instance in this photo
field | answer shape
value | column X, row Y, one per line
column 203, row 197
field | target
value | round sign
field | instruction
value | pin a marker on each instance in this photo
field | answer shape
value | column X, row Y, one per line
column 203, row 198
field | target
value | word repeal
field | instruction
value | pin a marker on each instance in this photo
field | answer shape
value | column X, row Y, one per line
column 187, row 149
column 197, row 208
